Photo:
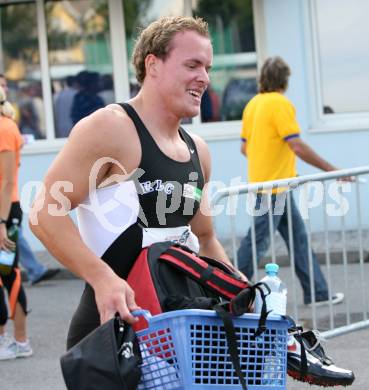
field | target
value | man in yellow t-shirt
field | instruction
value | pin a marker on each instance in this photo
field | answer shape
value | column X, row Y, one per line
column 271, row 141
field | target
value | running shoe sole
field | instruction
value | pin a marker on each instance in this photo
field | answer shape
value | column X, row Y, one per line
column 24, row 354
column 319, row 380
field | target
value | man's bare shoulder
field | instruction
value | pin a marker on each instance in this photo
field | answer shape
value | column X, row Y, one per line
column 104, row 128
column 108, row 119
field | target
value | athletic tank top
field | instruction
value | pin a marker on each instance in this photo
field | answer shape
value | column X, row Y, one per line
column 155, row 204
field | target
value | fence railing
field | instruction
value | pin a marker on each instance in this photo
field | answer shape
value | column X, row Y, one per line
column 351, row 277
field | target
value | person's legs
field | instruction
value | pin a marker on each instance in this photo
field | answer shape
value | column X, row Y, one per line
column 19, row 346
column 301, row 255
column 20, row 333
column 28, row 260
column 262, row 237
column 3, row 311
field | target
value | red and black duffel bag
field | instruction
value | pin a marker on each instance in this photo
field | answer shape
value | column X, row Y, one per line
column 168, row 277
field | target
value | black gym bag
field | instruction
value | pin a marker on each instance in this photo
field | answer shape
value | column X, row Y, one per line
column 107, row 358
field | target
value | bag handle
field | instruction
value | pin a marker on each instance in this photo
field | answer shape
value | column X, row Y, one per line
column 212, row 278
column 241, row 303
column 231, row 342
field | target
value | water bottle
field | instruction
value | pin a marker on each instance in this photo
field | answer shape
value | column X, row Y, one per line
column 7, row 258
column 276, row 301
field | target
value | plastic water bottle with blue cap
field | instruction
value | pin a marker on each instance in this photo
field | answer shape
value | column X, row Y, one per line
column 276, row 301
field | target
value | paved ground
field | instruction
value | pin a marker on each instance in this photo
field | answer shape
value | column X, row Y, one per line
column 53, row 302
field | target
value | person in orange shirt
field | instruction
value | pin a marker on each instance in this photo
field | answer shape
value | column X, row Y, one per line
column 10, row 212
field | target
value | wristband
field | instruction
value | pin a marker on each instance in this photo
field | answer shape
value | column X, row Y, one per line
column 3, row 221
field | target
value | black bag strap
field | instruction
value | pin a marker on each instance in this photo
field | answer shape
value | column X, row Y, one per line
column 241, row 302
column 231, row 342
column 220, row 283
column 264, row 313
column 206, row 275
column 219, row 264
column 159, row 248
column 296, row 331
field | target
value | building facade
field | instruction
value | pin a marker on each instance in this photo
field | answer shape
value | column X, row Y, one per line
column 49, row 50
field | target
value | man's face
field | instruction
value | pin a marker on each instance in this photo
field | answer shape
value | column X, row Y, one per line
column 3, row 84
column 183, row 75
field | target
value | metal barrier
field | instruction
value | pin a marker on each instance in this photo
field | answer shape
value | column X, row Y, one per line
column 354, row 310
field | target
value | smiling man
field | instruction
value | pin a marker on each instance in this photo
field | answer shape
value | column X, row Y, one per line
column 161, row 173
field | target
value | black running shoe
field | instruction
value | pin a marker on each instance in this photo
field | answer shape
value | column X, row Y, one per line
column 319, row 368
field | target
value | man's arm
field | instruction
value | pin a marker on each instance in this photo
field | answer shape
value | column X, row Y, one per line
column 307, row 154
column 59, row 234
column 243, row 147
column 202, row 227
column 201, row 223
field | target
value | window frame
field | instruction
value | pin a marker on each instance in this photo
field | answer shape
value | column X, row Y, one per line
column 318, row 121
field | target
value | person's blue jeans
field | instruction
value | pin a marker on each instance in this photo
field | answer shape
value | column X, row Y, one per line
column 28, row 260
column 300, row 243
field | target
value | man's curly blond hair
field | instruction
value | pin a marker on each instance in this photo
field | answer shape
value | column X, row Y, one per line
column 157, row 37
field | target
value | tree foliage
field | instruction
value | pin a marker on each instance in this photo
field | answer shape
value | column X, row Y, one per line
column 238, row 12
column 19, row 31
column 132, row 10
column 228, row 10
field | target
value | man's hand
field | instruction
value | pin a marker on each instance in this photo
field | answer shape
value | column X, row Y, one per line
column 237, row 272
column 242, row 276
column 5, row 243
column 114, row 295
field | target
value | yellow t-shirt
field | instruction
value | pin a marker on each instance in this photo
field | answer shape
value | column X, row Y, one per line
column 11, row 140
column 268, row 121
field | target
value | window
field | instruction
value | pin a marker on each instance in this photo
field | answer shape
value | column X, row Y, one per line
column 21, row 63
column 341, row 63
column 233, row 75
column 80, row 60
column 139, row 14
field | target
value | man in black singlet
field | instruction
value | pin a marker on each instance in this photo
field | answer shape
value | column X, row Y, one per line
column 147, row 175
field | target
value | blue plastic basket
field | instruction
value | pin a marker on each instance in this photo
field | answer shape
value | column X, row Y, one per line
column 187, row 349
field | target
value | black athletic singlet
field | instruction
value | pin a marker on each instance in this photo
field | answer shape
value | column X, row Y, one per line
column 155, row 204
